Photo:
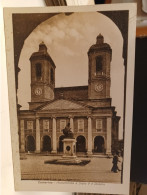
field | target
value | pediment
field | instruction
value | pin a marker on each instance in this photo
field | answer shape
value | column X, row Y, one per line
column 63, row 105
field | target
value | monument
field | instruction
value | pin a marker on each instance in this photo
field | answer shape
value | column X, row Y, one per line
column 69, row 150
column 69, row 146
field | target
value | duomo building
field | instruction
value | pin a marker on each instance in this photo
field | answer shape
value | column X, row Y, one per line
column 88, row 108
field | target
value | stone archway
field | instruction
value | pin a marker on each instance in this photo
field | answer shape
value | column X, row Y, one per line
column 30, row 144
column 99, row 144
column 81, row 144
column 46, row 146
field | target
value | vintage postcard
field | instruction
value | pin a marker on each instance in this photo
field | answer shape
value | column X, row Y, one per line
column 135, row 189
column 70, row 81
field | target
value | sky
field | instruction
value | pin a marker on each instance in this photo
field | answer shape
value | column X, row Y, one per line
column 68, row 39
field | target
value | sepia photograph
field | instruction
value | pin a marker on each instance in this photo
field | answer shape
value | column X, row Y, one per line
column 69, row 69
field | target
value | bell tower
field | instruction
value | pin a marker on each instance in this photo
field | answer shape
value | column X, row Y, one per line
column 99, row 80
column 42, row 75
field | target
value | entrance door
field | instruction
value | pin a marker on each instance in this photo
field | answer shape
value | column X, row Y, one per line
column 30, row 144
column 61, row 143
column 81, row 144
column 46, row 144
column 99, row 144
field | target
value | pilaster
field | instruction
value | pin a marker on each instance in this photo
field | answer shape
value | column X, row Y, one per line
column 71, row 124
column 54, row 142
column 22, row 137
column 109, row 126
column 37, row 136
column 89, row 151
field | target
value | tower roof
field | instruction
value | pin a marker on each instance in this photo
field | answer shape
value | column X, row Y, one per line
column 100, row 45
column 42, row 53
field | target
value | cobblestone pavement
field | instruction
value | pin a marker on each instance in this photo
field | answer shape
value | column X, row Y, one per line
column 98, row 170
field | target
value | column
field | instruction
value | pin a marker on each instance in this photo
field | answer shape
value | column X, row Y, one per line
column 109, row 126
column 22, row 137
column 37, row 136
column 89, row 151
column 54, row 142
column 71, row 124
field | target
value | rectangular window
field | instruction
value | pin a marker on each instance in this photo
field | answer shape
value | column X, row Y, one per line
column 80, row 125
column 99, row 124
column 46, row 125
column 62, row 124
column 29, row 125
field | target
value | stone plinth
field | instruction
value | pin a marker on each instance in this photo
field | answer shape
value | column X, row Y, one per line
column 69, row 147
column 69, row 152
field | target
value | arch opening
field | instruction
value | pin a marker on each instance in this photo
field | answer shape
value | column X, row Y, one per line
column 46, row 144
column 99, row 144
column 38, row 71
column 99, row 62
column 30, row 144
column 81, row 144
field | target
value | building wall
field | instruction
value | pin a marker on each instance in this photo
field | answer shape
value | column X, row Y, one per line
column 49, row 132
column 80, row 92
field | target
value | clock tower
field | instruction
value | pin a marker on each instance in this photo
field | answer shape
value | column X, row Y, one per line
column 42, row 76
column 99, row 80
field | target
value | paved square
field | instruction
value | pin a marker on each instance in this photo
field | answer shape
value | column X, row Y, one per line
column 98, row 170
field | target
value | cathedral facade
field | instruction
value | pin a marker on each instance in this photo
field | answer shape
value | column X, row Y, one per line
column 87, row 108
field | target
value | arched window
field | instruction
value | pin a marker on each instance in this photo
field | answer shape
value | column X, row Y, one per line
column 99, row 144
column 99, row 64
column 38, row 70
column 52, row 75
column 30, row 144
column 81, row 144
column 46, row 145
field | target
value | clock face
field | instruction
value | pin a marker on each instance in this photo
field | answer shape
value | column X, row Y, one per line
column 98, row 87
column 38, row 91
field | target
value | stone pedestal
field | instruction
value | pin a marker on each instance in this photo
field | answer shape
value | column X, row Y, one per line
column 69, row 152
column 69, row 147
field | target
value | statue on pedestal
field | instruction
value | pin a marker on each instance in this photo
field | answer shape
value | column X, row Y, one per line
column 67, row 132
